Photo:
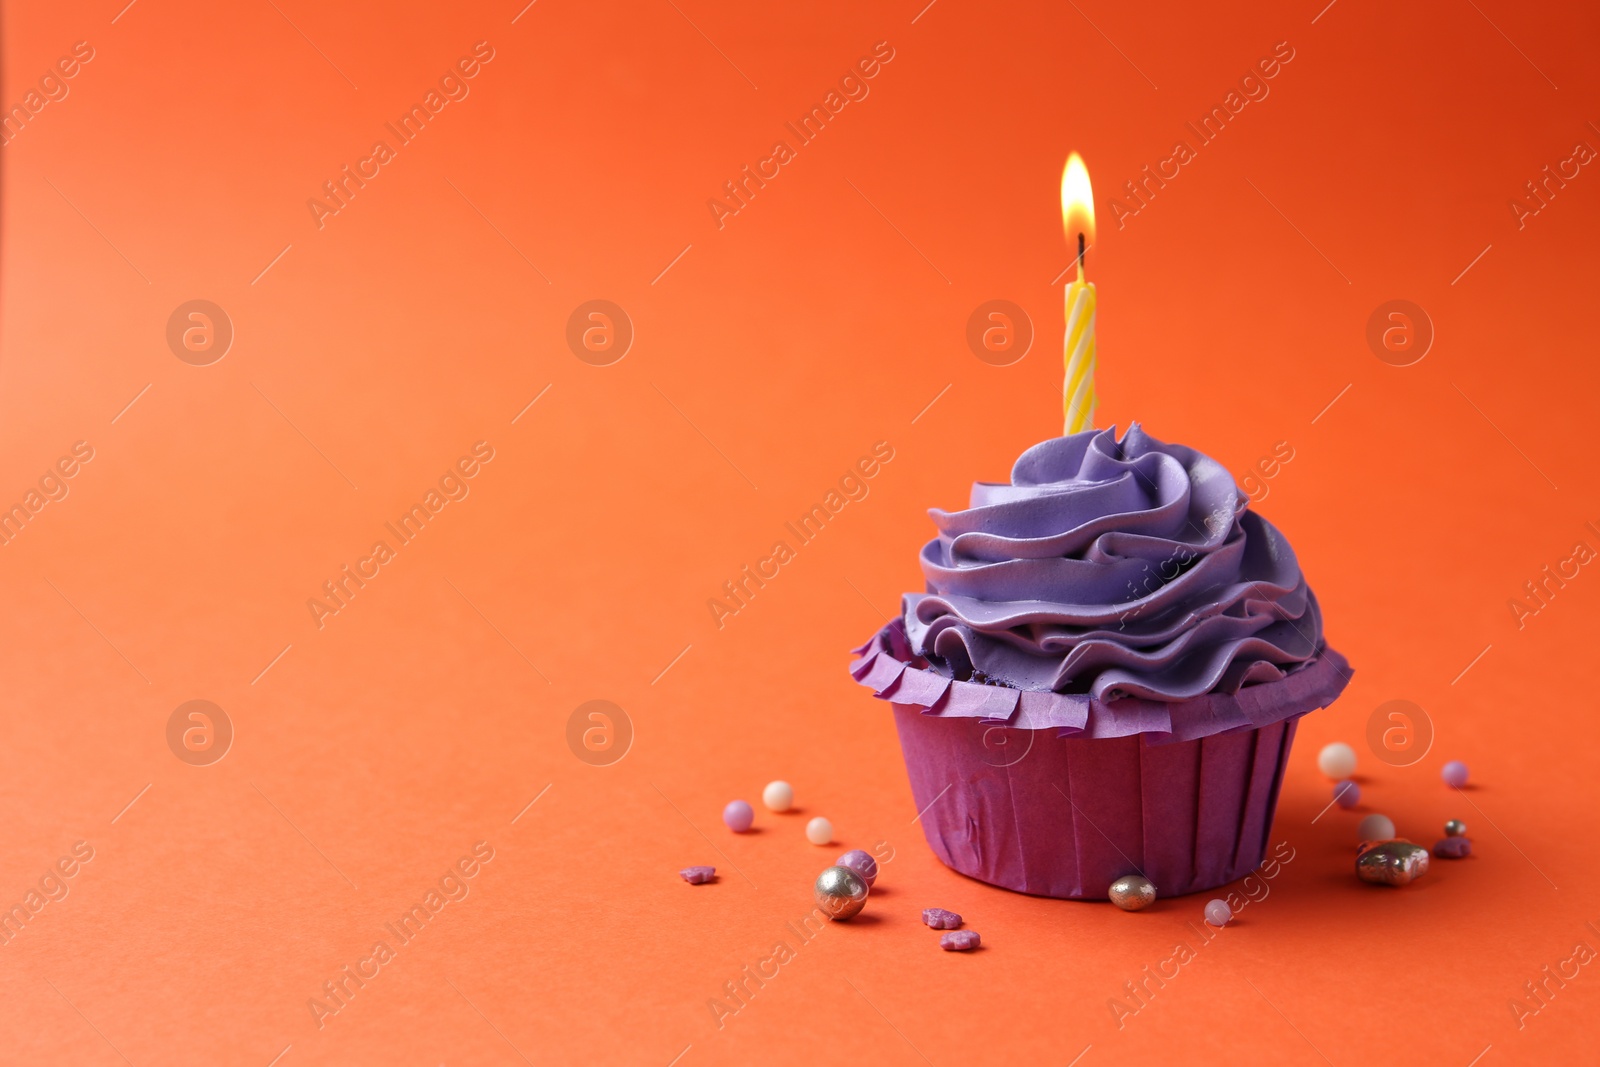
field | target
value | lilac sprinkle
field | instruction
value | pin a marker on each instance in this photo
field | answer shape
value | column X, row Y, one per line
column 862, row 863
column 697, row 875
column 940, row 919
column 959, row 940
column 1452, row 848
column 738, row 815
column 1347, row 794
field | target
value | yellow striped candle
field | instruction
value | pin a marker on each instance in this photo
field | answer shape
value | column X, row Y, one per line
column 1078, row 392
column 1077, row 217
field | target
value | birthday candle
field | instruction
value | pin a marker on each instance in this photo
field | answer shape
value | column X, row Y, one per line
column 1077, row 217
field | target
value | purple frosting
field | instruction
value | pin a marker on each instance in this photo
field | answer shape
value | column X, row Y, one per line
column 1112, row 569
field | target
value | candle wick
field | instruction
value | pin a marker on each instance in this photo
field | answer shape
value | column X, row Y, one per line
column 1080, row 255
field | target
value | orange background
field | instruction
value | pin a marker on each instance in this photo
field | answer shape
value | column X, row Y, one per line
column 423, row 317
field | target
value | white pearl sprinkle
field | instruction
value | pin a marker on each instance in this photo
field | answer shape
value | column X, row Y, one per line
column 1375, row 828
column 1337, row 760
column 819, row 831
column 778, row 796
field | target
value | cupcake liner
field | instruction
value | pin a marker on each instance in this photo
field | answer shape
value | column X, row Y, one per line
column 1059, row 795
column 1057, row 816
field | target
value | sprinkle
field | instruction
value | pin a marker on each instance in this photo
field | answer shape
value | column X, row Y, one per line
column 1375, row 827
column 697, row 875
column 738, row 815
column 1337, row 760
column 960, row 941
column 778, row 796
column 862, row 863
column 940, row 919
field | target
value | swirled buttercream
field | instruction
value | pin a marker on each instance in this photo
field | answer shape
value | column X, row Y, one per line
column 1112, row 569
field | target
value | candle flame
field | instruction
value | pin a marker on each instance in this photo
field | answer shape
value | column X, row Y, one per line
column 1077, row 202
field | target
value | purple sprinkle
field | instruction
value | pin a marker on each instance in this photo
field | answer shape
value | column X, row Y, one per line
column 1454, row 774
column 959, row 940
column 862, row 863
column 697, row 875
column 738, row 815
column 1452, row 848
column 940, row 919
column 1347, row 794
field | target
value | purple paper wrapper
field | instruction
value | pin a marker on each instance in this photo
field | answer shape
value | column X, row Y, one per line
column 1059, row 795
column 1072, row 815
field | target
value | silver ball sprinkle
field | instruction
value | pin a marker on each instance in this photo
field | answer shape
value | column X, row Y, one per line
column 1132, row 892
column 1455, row 828
column 841, row 892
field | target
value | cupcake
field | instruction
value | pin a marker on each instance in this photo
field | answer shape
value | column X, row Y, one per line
column 1105, row 672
